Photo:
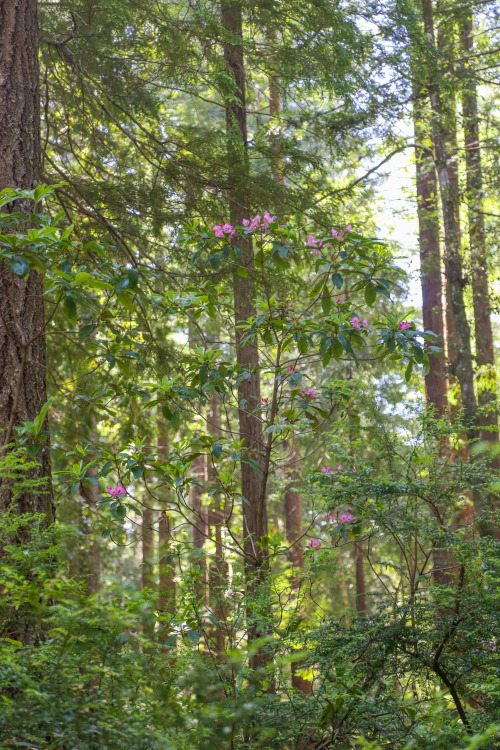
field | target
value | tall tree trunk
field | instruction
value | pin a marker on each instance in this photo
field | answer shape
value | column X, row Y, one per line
column 200, row 523
column 360, row 579
column 218, row 570
column 166, row 576
column 453, row 261
column 254, row 517
column 90, row 493
column 479, row 261
column 148, row 547
column 293, row 529
column 277, row 162
column 23, row 388
column 485, row 356
column 254, row 509
column 430, row 256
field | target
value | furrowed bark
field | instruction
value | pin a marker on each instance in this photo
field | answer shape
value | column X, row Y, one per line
column 477, row 238
column 23, row 389
column 430, row 255
column 166, row 576
column 254, row 508
column 453, row 261
column 293, row 529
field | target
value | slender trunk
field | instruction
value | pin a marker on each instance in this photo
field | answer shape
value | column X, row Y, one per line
column 254, row 507
column 166, row 577
column 453, row 261
column 293, row 528
column 218, row 570
column 148, row 547
column 90, row 493
column 23, row 388
column 479, row 261
column 430, row 256
column 277, row 161
column 247, row 356
column 360, row 580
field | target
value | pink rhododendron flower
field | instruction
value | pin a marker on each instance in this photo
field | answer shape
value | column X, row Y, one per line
column 365, row 323
column 327, row 470
column 255, row 222
column 308, row 393
column 120, row 490
column 264, row 400
column 334, row 233
column 403, row 325
column 245, row 222
column 355, row 323
column 311, row 241
column 268, row 219
column 218, row 231
column 292, row 368
column 348, row 228
column 346, row 518
column 229, row 228
column 315, row 543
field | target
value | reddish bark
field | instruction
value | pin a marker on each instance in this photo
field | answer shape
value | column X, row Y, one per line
column 166, row 577
column 23, row 389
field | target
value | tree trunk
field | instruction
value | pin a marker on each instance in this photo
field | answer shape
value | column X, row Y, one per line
column 360, row 580
column 453, row 261
column 218, row 570
column 23, row 389
column 430, row 257
column 293, row 528
column 90, row 493
column 254, row 508
column 166, row 576
column 277, row 162
column 479, row 262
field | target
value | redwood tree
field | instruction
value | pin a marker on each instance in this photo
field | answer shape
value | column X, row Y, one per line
column 23, row 389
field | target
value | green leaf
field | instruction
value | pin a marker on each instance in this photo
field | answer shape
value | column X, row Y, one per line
column 337, row 349
column 133, row 277
column 70, row 307
column 166, row 411
column 337, row 280
column 175, row 419
column 138, row 471
column 241, row 271
column 214, row 261
column 85, row 331
column 19, row 266
column 121, row 284
column 193, row 636
column 409, row 370
column 370, row 294
column 326, row 303
column 217, row 450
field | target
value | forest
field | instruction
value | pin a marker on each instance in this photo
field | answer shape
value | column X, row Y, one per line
column 249, row 356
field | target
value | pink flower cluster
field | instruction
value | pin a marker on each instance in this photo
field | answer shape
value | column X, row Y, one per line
column 264, row 400
column 254, row 223
column 314, row 544
column 403, row 325
column 343, row 518
column 221, row 231
column 357, row 323
column 340, row 236
column 308, row 393
column 120, row 490
column 292, row 368
column 316, row 243
column 327, row 470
